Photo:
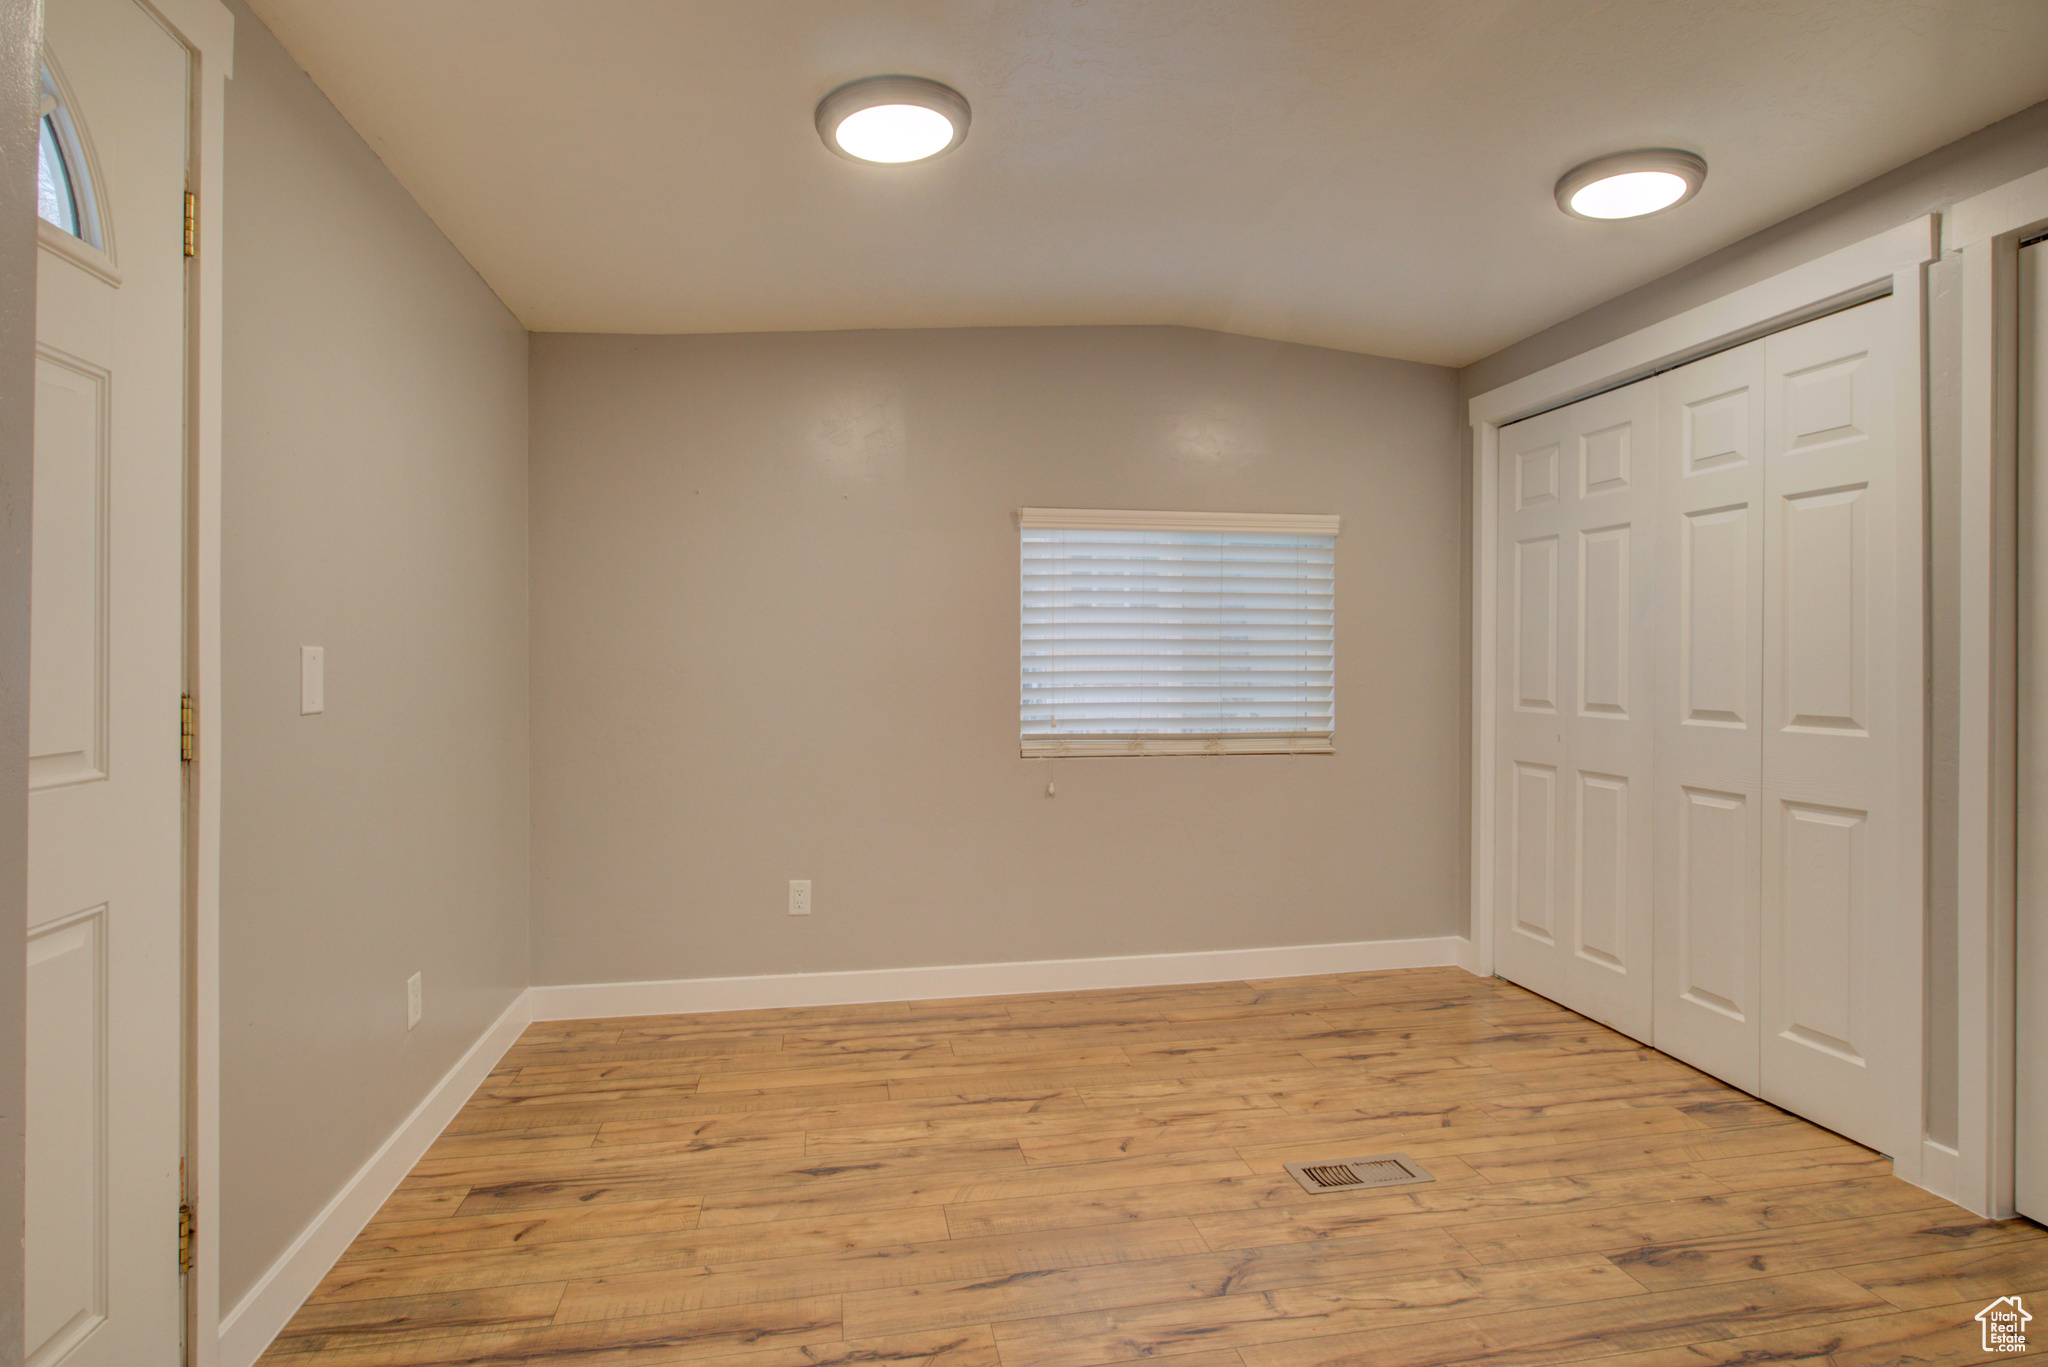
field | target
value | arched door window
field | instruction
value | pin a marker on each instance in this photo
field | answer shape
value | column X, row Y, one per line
column 64, row 189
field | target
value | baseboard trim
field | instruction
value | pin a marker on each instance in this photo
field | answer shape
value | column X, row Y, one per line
column 1940, row 1171
column 679, row 996
column 248, row 1329
column 1471, row 958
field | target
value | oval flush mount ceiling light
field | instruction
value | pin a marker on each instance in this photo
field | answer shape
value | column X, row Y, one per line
column 892, row 119
column 1631, row 184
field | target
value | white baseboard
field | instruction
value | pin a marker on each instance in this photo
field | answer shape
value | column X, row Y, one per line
column 677, row 996
column 1940, row 1171
column 248, row 1329
column 1471, row 959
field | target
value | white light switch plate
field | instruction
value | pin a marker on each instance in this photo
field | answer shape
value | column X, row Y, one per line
column 312, row 680
column 413, row 1001
column 799, row 897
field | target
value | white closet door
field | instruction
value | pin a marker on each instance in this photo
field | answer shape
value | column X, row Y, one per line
column 1709, row 733
column 1575, row 705
column 2030, row 1053
column 1841, row 902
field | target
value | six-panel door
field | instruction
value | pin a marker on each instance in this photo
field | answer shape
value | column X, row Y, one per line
column 1576, row 724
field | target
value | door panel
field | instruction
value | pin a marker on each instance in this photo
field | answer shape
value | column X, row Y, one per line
column 1601, row 900
column 1578, row 500
column 1823, row 857
column 1532, row 831
column 1604, row 613
column 1715, row 945
column 1826, row 598
column 68, row 617
column 105, row 875
column 1710, row 703
column 1716, row 615
column 1841, row 923
column 1536, row 625
column 67, row 1207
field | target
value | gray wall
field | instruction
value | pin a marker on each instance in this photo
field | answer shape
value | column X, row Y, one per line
column 375, row 504
column 2006, row 150
column 20, row 89
column 775, row 637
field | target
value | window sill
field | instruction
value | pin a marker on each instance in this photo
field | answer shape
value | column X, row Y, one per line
column 1041, row 747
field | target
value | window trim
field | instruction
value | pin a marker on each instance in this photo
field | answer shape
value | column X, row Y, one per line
column 1136, row 520
column 1144, row 520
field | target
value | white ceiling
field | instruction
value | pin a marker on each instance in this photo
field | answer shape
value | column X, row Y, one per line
column 1373, row 175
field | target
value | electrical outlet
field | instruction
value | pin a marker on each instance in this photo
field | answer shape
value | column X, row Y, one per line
column 799, row 897
column 413, row 1003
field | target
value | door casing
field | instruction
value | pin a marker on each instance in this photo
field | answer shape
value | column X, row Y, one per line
column 1985, row 232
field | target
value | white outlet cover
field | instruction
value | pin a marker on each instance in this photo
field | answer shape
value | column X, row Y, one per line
column 799, row 897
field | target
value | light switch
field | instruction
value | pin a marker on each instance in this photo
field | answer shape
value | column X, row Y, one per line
column 312, row 680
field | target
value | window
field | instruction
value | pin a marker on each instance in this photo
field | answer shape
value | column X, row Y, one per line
column 54, row 200
column 64, row 191
column 1177, row 633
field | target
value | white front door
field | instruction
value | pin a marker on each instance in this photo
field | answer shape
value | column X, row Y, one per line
column 106, row 785
column 1576, row 693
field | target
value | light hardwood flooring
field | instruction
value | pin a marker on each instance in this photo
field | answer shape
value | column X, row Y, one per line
column 1095, row 1178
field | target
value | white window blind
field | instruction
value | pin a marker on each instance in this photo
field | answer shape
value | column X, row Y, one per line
column 1177, row 633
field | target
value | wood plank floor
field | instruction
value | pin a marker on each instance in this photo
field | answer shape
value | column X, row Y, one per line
column 1095, row 1178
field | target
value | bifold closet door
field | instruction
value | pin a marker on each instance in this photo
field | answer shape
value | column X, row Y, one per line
column 1574, row 705
column 1708, row 758
column 1710, row 697
column 1841, row 888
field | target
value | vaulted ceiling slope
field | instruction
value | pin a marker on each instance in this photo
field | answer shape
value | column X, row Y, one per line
column 1373, row 175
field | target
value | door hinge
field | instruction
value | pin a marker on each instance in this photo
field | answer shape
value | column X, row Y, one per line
column 185, row 728
column 191, row 224
column 185, row 1236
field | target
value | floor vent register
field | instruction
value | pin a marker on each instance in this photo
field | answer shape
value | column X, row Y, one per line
column 1358, row 1174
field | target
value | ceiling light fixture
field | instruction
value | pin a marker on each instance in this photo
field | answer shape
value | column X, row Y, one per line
column 892, row 119
column 1631, row 184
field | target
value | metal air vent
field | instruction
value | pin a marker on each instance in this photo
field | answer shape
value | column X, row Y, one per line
column 1357, row 1174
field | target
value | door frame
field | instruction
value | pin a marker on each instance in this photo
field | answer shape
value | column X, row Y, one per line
column 1985, row 231
column 207, row 30
column 1890, row 263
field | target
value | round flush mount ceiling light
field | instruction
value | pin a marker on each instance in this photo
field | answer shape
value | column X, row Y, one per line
column 892, row 119
column 1631, row 184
